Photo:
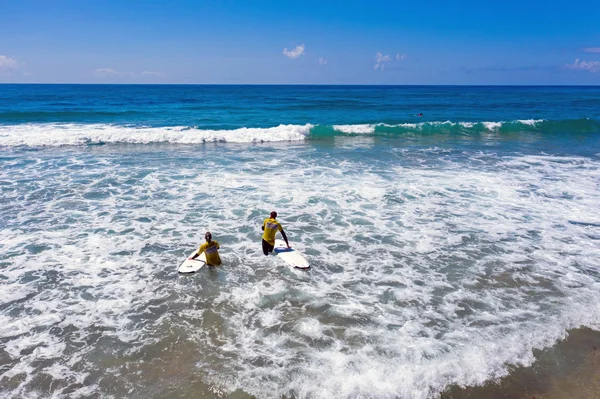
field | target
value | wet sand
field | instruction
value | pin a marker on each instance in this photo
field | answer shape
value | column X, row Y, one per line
column 570, row 369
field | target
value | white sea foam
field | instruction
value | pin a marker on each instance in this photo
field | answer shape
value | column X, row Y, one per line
column 409, row 125
column 428, row 269
column 492, row 125
column 77, row 134
column 69, row 134
column 530, row 122
column 360, row 129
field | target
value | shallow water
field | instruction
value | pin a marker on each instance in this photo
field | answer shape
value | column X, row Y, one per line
column 437, row 259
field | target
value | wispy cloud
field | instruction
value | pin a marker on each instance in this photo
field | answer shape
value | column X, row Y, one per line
column 113, row 73
column 592, row 50
column 295, row 52
column 322, row 61
column 8, row 63
column 382, row 60
column 108, row 73
column 590, row 66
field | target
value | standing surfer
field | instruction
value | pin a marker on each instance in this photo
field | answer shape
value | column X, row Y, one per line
column 270, row 227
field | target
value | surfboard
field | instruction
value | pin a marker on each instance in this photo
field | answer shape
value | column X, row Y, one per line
column 290, row 255
column 191, row 266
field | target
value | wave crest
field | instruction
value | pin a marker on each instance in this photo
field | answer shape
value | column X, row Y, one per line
column 66, row 134
column 80, row 134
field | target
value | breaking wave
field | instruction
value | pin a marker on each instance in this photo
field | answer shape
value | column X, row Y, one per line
column 71, row 134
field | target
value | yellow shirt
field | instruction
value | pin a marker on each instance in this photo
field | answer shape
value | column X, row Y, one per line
column 271, row 226
column 212, row 255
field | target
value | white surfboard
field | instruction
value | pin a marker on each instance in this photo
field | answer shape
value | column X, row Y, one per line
column 290, row 255
column 190, row 266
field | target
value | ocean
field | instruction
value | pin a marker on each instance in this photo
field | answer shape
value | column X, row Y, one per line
column 446, row 249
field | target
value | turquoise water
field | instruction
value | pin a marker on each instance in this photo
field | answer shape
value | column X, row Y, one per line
column 444, row 248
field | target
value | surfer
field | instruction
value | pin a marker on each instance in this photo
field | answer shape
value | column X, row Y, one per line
column 420, row 114
column 270, row 227
column 211, row 248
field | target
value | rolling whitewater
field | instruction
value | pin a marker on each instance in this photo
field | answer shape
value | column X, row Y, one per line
column 445, row 250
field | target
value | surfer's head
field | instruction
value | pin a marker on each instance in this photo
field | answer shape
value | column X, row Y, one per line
column 273, row 215
column 208, row 236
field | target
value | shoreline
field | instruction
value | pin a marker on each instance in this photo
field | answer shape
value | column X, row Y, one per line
column 569, row 369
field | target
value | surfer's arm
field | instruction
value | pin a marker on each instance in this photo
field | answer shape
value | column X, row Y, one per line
column 197, row 254
column 285, row 237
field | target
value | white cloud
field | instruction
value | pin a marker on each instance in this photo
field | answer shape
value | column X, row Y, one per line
column 381, row 60
column 322, row 61
column 113, row 73
column 592, row 50
column 591, row 66
column 8, row 63
column 294, row 53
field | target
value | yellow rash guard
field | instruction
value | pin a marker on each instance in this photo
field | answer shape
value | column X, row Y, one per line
column 212, row 255
column 271, row 226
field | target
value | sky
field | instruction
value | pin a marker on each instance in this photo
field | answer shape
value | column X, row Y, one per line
column 301, row 42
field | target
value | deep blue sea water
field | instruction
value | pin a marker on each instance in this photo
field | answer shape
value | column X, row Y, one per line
column 445, row 248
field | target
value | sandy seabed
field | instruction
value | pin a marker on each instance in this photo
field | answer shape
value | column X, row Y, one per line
column 569, row 370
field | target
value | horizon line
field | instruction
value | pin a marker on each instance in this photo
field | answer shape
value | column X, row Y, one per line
column 301, row 84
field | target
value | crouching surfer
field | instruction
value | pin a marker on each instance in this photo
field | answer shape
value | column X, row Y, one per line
column 211, row 248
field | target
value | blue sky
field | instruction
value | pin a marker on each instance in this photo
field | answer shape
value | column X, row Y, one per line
column 300, row 42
